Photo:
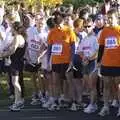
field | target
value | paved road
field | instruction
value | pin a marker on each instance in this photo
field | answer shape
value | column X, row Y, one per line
column 37, row 113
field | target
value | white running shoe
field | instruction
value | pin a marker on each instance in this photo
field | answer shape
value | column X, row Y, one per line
column 53, row 107
column 91, row 108
column 115, row 103
column 40, row 95
column 17, row 106
column 43, row 100
column 35, row 102
column 118, row 114
column 104, row 111
column 61, row 100
column 81, row 105
column 34, row 96
column 73, row 107
column 48, row 103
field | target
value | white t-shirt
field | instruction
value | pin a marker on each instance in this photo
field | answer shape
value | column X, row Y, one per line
column 36, row 42
column 89, row 46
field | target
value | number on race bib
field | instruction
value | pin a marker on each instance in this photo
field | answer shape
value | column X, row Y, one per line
column 111, row 42
column 57, row 49
column 34, row 46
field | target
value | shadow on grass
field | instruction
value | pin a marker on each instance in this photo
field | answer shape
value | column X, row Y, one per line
column 4, row 87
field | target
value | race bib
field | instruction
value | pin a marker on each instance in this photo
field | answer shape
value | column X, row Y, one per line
column 35, row 46
column 57, row 49
column 111, row 42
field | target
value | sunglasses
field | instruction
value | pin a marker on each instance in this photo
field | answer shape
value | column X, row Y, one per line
column 87, row 26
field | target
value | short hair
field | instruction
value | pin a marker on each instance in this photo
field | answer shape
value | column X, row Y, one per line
column 113, row 11
column 89, row 20
column 83, row 12
column 22, row 5
column 78, row 23
column 50, row 23
column 106, row 1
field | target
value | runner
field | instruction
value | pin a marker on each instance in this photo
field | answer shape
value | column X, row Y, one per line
column 17, row 64
column 110, row 68
column 36, row 40
column 61, row 41
column 77, row 70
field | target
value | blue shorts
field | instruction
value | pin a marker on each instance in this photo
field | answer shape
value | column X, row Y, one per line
column 88, row 69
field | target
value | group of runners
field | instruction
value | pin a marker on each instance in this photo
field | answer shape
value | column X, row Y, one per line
column 68, row 55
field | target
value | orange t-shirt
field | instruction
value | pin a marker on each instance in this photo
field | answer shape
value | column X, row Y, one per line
column 61, row 40
column 110, row 38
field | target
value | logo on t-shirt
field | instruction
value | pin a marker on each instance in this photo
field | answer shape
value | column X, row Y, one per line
column 111, row 42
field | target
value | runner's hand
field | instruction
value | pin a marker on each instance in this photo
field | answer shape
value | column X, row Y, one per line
column 69, row 67
column 98, row 65
column 85, row 60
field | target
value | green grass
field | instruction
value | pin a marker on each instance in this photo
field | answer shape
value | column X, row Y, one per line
column 4, row 101
column 4, row 86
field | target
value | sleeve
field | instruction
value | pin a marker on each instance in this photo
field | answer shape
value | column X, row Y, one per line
column 49, row 39
column 101, row 38
column 100, row 53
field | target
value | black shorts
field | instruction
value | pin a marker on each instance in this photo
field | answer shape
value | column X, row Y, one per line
column 32, row 68
column 110, row 71
column 60, row 68
column 16, row 67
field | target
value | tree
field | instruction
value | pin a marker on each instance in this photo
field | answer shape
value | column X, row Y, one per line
column 78, row 3
column 34, row 2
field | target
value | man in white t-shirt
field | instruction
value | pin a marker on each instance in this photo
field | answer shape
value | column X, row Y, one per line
column 36, row 52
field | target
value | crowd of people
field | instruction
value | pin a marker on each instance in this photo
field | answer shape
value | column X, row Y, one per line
column 68, row 54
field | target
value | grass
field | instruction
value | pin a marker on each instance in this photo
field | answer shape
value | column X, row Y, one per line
column 4, row 86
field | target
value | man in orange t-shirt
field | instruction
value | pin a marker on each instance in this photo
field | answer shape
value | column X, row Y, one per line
column 61, row 49
column 109, row 58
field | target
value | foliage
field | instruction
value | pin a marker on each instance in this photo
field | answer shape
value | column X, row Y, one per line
column 35, row 2
column 78, row 3
column 54, row 2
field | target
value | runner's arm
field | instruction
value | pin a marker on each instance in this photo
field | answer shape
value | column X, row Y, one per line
column 100, row 53
column 49, row 52
column 72, row 52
